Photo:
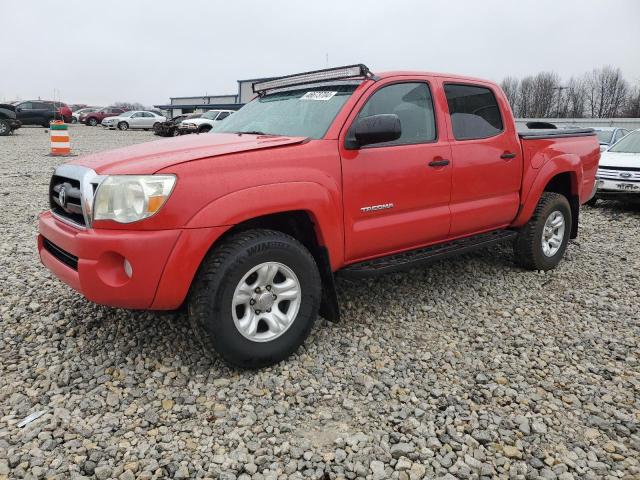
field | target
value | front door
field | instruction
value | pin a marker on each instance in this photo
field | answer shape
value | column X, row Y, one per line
column 396, row 194
column 487, row 160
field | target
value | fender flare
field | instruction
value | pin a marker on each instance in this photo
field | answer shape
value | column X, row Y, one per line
column 533, row 189
column 313, row 198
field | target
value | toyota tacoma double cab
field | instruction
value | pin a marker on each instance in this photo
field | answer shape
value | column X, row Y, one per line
column 332, row 172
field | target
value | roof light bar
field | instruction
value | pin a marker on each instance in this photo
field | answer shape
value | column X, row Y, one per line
column 350, row 71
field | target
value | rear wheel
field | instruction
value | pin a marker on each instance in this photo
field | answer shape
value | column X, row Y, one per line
column 541, row 243
column 123, row 126
column 92, row 122
column 255, row 298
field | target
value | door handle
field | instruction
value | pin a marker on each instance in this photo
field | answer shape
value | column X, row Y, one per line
column 508, row 155
column 439, row 163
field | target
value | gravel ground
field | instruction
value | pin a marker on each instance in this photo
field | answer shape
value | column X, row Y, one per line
column 470, row 368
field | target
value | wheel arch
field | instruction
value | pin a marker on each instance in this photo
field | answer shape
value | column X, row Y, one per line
column 304, row 210
column 563, row 175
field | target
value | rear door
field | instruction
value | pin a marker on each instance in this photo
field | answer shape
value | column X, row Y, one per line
column 487, row 160
column 393, row 198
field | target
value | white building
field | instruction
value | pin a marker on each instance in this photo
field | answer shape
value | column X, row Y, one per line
column 198, row 104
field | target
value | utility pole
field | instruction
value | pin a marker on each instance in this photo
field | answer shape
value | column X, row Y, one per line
column 559, row 89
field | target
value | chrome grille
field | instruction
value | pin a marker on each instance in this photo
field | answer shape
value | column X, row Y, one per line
column 71, row 194
column 619, row 173
column 65, row 198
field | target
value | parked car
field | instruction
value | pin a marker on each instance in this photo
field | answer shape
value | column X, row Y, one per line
column 337, row 171
column 607, row 136
column 134, row 119
column 75, row 116
column 8, row 119
column 95, row 118
column 170, row 127
column 205, row 122
column 42, row 112
column 618, row 176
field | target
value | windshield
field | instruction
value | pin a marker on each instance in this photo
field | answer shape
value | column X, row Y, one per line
column 211, row 115
column 303, row 112
column 628, row 144
column 604, row 136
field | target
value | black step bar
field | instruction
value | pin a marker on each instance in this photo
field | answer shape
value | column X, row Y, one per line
column 421, row 256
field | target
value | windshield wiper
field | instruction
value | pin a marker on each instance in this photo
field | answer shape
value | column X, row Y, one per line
column 253, row 132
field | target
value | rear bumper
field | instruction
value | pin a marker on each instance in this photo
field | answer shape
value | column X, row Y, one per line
column 163, row 262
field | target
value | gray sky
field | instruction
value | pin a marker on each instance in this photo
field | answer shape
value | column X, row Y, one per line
column 145, row 51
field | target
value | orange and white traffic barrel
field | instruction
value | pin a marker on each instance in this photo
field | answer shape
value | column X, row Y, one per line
column 60, row 143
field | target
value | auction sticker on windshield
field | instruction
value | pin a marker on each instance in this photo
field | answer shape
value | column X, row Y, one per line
column 322, row 95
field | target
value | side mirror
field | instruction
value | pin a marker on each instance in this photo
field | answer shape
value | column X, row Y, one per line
column 375, row 129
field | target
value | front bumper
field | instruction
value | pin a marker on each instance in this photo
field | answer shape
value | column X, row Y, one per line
column 607, row 186
column 163, row 262
column 188, row 128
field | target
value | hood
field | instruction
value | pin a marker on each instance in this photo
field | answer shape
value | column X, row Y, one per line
column 620, row 159
column 150, row 157
column 8, row 110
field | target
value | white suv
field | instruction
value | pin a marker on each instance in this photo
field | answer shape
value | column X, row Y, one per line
column 205, row 122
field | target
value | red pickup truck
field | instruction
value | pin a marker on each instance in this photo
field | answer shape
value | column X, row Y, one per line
column 338, row 171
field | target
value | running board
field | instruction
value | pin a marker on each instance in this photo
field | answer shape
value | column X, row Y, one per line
column 421, row 256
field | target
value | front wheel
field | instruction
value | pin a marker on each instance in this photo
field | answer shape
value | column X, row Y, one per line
column 255, row 298
column 123, row 126
column 92, row 122
column 541, row 243
column 5, row 128
column 74, row 120
column 204, row 129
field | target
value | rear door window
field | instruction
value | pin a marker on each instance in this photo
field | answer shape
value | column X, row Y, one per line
column 474, row 111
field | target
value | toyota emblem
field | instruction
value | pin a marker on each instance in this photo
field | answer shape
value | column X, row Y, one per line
column 62, row 197
column 625, row 174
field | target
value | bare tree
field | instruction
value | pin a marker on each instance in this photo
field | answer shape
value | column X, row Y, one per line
column 129, row 105
column 525, row 102
column 575, row 98
column 606, row 92
column 602, row 93
column 632, row 105
column 510, row 86
column 537, row 96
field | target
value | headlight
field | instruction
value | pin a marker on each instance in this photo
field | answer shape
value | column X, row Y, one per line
column 131, row 198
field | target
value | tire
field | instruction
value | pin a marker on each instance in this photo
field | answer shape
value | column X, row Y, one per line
column 123, row 126
column 204, row 128
column 155, row 126
column 175, row 132
column 226, row 270
column 74, row 120
column 5, row 128
column 92, row 122
column 592, row 202
column 530, row 247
